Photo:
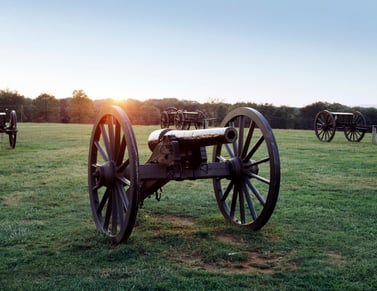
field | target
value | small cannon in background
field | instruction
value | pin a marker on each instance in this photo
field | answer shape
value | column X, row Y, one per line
column 183, row 119
column 353, row 125
column 245, row 168
column 11, row 128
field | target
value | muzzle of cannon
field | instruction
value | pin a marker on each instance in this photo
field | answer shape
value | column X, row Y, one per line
column 245, row 168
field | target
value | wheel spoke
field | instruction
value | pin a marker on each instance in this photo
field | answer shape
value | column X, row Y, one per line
column 229, row 150
column 249, row 201
column 240, row 135
column 234, row 201
column 114, row 216
column 103, row 201
column 254, row 149
column 242, row 206
column 117, row 141
column 234, row 143
column 106, row 140
column 119, row 205
column 123, row 166
column 112, row 141
column 108, row 211
column 123, row 196
column 248, row 139
column 124, row 180
column 221, row 159
column 121, row 151
column 260, row 178
column 227, row 191
column 261, row 161
column 256, row 192
column 101, row 150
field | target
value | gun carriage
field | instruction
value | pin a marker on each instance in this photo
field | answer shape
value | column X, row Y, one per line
column 10, row 127
column 182, row 119
column 353, row 125
column 245, row 168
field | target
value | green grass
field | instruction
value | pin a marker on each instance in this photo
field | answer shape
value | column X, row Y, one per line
column 322, row 235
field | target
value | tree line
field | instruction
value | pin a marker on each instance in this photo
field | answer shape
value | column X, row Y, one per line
column 79, row 108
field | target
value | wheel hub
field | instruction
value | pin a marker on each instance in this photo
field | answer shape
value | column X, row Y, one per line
column 106, row 173
column 240, row 168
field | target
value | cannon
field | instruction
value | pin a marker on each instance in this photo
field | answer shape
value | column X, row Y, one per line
column 353, row 125
column 244, row 169
column 182, row 119
column 10, row 127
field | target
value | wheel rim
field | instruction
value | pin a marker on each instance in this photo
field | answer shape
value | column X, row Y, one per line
column 12, row 129
column 356, row 131
column 113, row 174
column 249, row 196
column 324, row 126
column 12, row 139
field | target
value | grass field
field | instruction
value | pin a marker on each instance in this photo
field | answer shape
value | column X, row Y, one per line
column 322, row 235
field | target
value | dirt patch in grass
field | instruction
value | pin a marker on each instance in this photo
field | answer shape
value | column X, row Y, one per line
column 11, row 199
column 179, row 220
column 242, row 261
column 336, row 259
column 251, row 262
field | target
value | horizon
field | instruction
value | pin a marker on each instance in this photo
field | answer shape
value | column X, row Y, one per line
column 200, row 102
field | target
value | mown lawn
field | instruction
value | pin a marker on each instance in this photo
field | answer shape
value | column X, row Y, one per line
column 322, row 235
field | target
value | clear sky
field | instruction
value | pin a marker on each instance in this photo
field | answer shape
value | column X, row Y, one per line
column 287, row 52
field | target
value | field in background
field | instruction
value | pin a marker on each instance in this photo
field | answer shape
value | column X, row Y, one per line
column 321, row 236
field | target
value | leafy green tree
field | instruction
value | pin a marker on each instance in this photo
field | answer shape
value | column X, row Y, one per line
column 309, row 112
column 80, row 108
column 11, row 100
column 46, row 108
column 151, row 114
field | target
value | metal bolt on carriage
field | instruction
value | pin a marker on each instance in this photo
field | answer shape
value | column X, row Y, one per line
column 244, row 169
column 8, row 125
column 353, row 125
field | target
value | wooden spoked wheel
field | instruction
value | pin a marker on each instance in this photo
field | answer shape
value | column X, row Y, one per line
column 248, row 197
column 12, row 129
column 355, row 131
column 113, row 174
column 164, row 119
column 179, row 121
column 200, row 123
column 324, row 126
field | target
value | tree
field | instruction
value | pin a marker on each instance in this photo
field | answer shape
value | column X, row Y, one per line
column 151, row 114
column 80, row 108
column 46, row 108
column 11, row 100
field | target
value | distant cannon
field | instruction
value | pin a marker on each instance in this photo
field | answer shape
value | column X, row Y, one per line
column 10, row 127
column 182, row 119
column 245, row 168
column 353, row 125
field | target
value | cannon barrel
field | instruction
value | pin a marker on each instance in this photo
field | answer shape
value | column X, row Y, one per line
column 196, row 138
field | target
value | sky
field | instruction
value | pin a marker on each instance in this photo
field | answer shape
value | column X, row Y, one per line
column 291, row 52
